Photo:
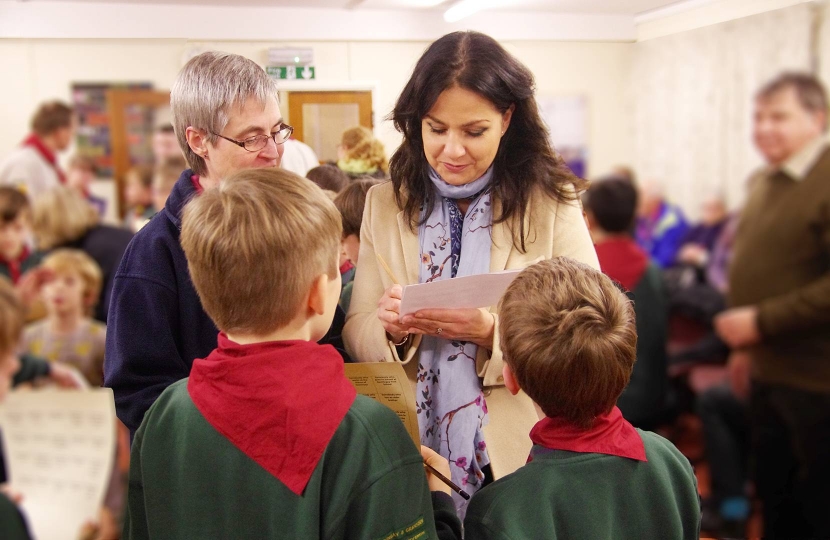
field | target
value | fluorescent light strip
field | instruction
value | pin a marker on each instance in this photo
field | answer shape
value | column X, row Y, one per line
column 465, row 8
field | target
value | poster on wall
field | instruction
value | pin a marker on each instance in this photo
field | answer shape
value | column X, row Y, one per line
column 567, row 119
column 93, row 137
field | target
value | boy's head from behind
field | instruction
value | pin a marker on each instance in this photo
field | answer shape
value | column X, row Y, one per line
column 350, row 203
column 263, row 251
column 611, row 205
column 11, row 325
column 76, row 285
column 15, row 222
column 329, row 177
column 569, row 339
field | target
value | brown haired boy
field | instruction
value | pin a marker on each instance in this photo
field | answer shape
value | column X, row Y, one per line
column 33, row 167
column 165, row 176
column 569, row 340
column 15, row 230
column 350, row 203
column 138, row 197
column 267, row 438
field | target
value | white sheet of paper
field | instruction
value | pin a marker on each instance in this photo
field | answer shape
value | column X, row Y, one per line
column 59, row 447
column 482, row 290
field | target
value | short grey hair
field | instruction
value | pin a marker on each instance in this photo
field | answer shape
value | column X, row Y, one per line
column 208, row 88
column 810, row 92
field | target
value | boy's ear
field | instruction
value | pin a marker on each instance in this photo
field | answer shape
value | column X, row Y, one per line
column 318, row 294
column 510, row 381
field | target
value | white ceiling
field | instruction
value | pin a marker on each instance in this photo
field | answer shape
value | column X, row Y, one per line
column 623, row 7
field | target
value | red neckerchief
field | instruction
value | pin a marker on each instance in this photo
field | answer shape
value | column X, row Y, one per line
column 194, row 179
column 346, row 266
column 622, row 260
column 611, row 434
column 47, row 154
column 16, row 264
column 278, row 402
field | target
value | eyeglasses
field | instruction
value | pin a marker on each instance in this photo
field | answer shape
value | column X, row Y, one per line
column 258, row 142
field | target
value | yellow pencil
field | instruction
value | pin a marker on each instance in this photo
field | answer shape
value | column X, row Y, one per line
column 388, row 270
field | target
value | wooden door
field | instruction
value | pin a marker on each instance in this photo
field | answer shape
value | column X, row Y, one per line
column 128, row 112
column 319, row 118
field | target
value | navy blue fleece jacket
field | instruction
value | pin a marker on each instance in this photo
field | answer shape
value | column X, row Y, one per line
column 156, row 325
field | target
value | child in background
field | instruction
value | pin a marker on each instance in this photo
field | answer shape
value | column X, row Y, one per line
column 15, row 231
column 350, row 203
column 164, row 178
column 138, row 197
column 68, row 334
column 360, row 153
column 215, row 456
column 569, row 340
column 15, row 370
column 611, row 206
column 79, row 176
column 328, row 177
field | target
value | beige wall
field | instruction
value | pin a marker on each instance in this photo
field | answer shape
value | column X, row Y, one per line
column 823, row 45
column 39, row 69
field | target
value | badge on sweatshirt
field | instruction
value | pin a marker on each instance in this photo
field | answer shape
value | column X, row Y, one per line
column 414, row 531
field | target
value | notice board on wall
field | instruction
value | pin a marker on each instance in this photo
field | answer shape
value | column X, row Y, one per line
column 94, row 139
column 567, row 119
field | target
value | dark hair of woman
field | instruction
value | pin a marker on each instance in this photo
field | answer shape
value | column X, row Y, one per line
column 525, row 161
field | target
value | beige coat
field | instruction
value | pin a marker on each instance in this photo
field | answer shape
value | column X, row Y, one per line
column 558, row 230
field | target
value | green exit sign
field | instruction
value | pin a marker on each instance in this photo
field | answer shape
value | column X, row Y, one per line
column 291, row 72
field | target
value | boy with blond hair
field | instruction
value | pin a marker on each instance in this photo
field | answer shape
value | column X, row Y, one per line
column 267, row 438
column 569, row 340
column 68, row 334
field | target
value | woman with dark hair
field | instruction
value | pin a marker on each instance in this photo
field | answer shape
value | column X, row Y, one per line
column 476, row 188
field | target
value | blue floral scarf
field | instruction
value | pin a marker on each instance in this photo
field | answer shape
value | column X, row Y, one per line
column 451, row 406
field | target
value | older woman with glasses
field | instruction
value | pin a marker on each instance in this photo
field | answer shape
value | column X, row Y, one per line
column 226, row 118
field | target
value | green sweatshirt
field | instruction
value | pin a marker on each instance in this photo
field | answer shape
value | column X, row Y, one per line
column 188, row 481
column 569, row 495
column 12, row 524
column 31, row 368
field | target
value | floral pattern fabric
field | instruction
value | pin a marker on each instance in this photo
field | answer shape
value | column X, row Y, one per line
column 451, row 407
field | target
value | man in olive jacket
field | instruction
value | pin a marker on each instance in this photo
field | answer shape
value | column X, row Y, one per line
column 780, row 299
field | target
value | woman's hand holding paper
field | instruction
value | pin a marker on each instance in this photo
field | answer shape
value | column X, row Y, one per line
column 389, row 309
column 473, row 325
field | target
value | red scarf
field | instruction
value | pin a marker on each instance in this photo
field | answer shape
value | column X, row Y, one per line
column 622, row 260
column 35, row 142
column 278, row 402
column 611, row 434
column 16, row 264
column 194, row 179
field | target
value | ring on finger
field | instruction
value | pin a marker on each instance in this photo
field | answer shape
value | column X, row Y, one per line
column 439, row 331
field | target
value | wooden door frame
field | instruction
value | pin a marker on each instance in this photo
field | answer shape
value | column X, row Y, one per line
column 117, row 101
column 343, row 86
